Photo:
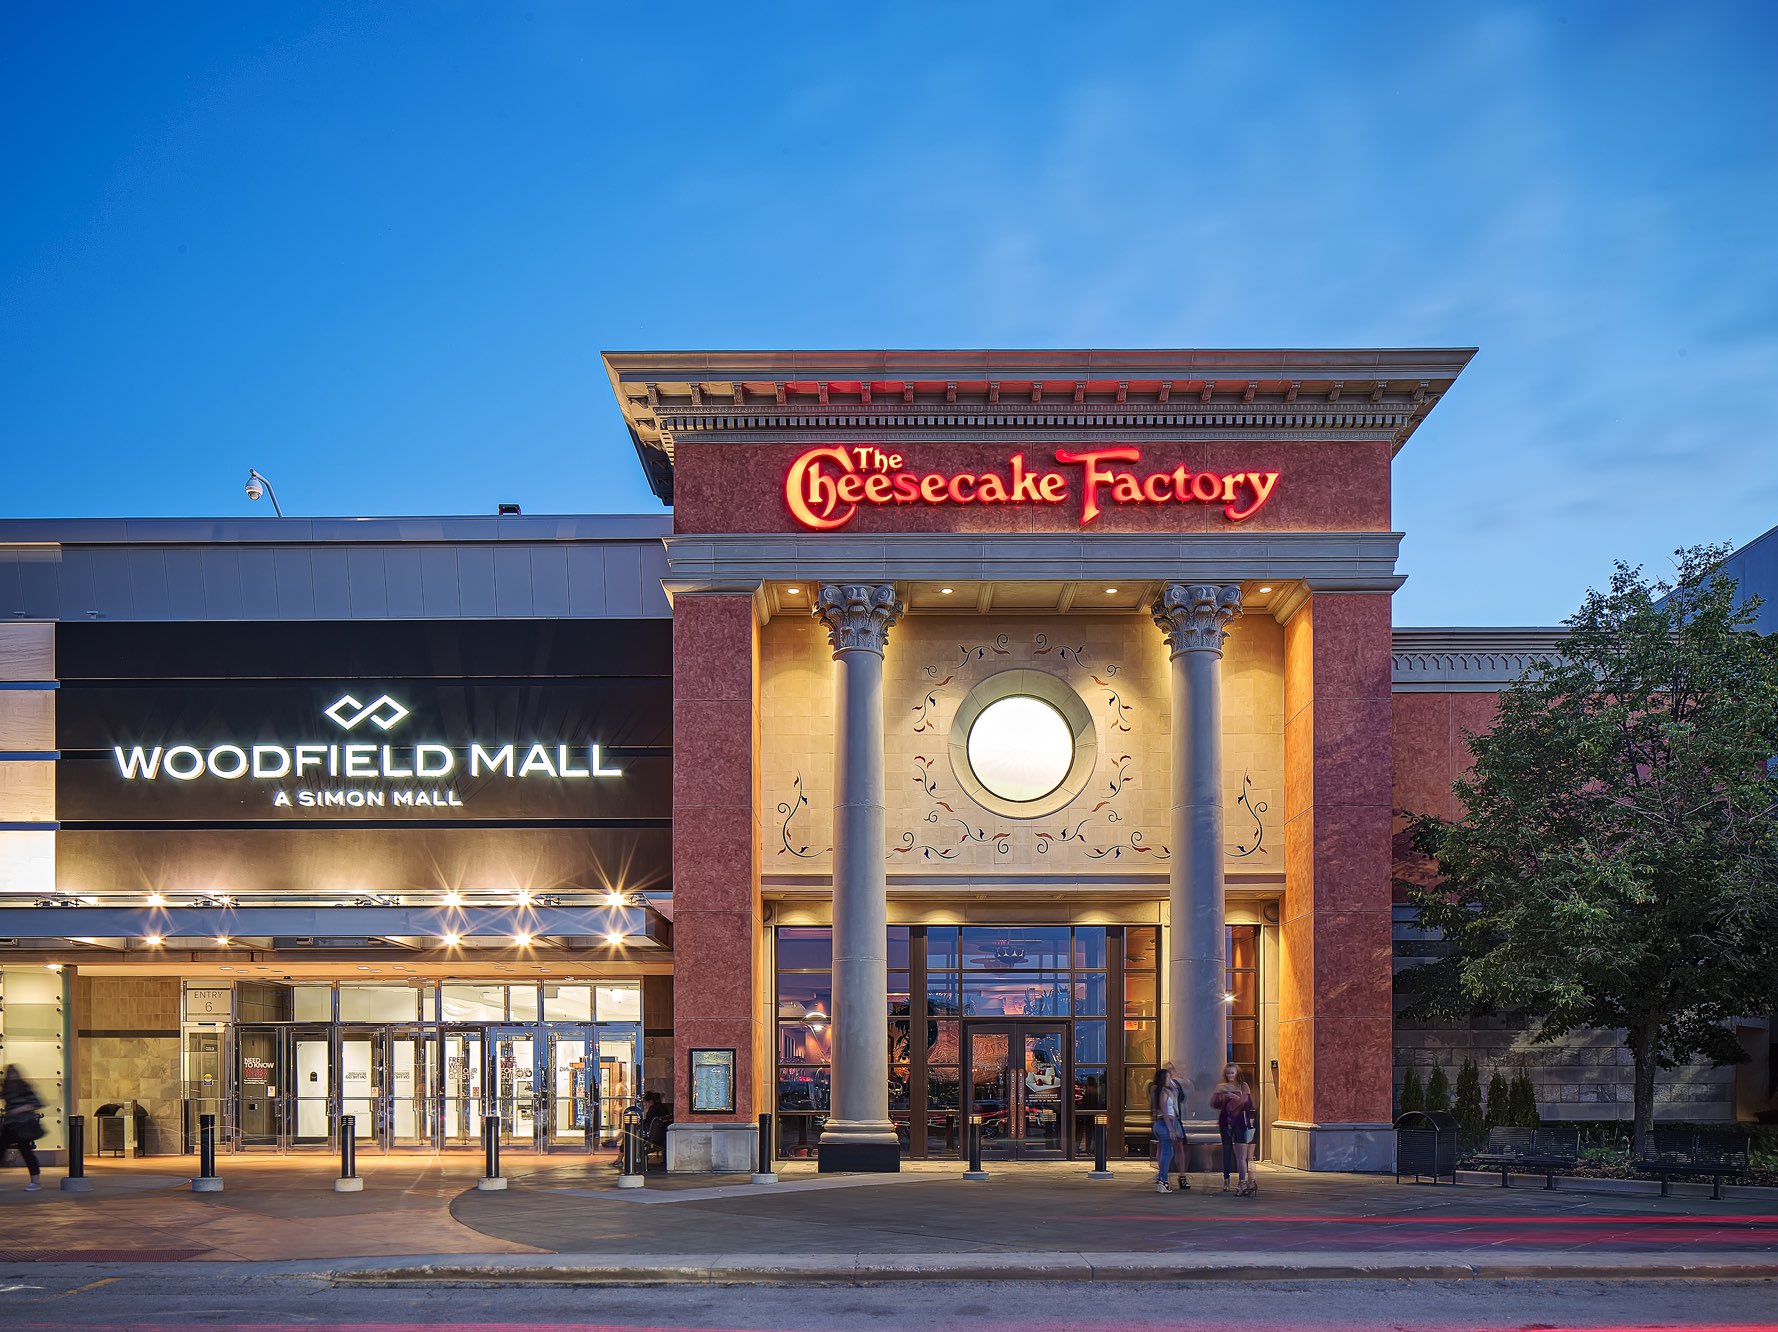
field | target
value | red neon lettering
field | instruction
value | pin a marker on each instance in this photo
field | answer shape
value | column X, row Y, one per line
column 1096, row 475
column 1262, row 483
column 956, row 488
column 812, row 495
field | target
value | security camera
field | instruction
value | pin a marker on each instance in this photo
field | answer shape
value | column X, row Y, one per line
column 254, row 489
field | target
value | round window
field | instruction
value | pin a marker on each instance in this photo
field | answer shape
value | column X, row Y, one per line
column 1020, row 748
column 1022, row 744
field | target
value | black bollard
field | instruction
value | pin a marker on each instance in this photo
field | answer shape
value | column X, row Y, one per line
column 763, row 1173
column 1099, row 1170
column 975, row 1171
column 207, row 1180
column 348, row 1182
column 77, row 1182
column 491, row 1181
column 631, row 1149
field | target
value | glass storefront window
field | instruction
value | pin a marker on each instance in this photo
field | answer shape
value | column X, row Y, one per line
column 941, row 948
column 1089, row 947
column 799, row 1043
column 522, row 1002
column 803, row 949
column 943, row 1043
column 898, row 947
column 1015, row 996
column 379, row 1003
column 901, row 1042
column 1140, row 1045
column 1089, row 1043
column 1139, row 995
column 474, row 1003
column 312, row 1003
column 618, row 1003
column 1016, row 947
column 567, row 1003
column 1089, row 996
column 1141, row 947
column 942, row 993
column 898, row 994
column 801, row 995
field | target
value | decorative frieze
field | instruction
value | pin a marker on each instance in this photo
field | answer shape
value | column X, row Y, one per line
column 1472, row 661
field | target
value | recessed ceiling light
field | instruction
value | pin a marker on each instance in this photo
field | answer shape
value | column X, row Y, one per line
column 944, row 591
column 453, row 898
column 155, row 899
column 1110, row 590
column 1265, row 589
column 522, row 939
column 614, row 898
column 614, row 939
column 152, row 940
column 452, row 940
column 222, row 939
column 794, row 591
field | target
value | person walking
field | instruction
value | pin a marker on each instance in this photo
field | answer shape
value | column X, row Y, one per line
column 1166, row 1102
column 22, row 1125
column 1238, row 1121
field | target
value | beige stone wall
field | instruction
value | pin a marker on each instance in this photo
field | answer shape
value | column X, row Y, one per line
column 128, row 1050
column 1116, row 826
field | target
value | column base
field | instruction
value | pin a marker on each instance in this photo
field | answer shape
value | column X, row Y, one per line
column 875, row 1158
column 353, row 1185
column 1348, row 1147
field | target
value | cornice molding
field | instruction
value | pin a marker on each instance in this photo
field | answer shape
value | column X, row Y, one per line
column 1468, row 661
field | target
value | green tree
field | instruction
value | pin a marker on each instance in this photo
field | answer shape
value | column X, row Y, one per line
column 1413, row 1094
column 1616, row 865
column 1521, row 1100
column 1438, row 1089
column 1499, row 1101
column 1466, row 1102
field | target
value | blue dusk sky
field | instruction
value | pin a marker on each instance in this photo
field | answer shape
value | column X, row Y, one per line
column 375, row 251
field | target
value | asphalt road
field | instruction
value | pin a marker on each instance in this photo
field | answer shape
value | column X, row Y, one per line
column 41, row 1295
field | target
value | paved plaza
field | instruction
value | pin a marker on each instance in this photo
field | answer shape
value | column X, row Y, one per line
column 423, row 1216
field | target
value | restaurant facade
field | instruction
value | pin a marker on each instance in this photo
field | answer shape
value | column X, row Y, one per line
column 981, row 729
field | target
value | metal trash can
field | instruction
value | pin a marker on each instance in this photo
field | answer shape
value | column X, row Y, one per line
column 110, row 1129
column 1426, row 1144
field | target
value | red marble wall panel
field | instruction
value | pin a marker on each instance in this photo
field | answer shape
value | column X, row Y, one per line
column 717, row 931
column 1322, row 487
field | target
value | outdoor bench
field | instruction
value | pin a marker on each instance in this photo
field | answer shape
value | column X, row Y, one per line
column 1677, row 1152
column 1531, row 1151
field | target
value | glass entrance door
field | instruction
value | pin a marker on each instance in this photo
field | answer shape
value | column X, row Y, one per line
column 513, row 1084
column 413, row 1074
column 308, row 1100
column 1017, row 1073
column 259, row 1075
column 566, row 1120
column 462, row 1092
column 363, row 1082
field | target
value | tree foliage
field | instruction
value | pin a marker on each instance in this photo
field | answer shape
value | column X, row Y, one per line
column 1413, row 1093
column 1466, row 1102
column 1616, row 864
column 1438, row 1089
column 1499, row 1101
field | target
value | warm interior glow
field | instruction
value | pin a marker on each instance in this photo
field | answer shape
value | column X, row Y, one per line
column 1020, row 748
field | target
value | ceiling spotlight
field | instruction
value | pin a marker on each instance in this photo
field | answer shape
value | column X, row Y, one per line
column 522, row 939
column 152, row 940
column 794, row 591
column 1228, row 996
column 614, row 939
column 155, row 899
column 53, row 966
column 614, row 898
column 522, row 898
column 1110, row 591
column 222, row 939
column 1265, row 589
column 944, row 591
column 451, row 940
column 453, row 898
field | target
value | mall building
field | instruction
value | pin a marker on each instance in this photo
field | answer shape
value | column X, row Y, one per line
column 981, row 729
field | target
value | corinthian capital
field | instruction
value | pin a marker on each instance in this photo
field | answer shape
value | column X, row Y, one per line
column 858, row 615
column 1194, row 617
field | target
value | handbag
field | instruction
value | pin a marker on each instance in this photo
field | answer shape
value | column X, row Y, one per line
column 32, row 1128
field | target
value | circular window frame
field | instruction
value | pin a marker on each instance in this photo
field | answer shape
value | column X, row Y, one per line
column 1045, row 688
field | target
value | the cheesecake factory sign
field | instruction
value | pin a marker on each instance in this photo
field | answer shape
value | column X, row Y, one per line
column 362, row 766
column 826, row 486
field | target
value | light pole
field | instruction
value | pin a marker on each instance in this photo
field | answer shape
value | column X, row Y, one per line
column 257, row 485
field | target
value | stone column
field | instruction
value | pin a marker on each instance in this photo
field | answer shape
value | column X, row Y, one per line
column 1194, row 618
column 859, row 1135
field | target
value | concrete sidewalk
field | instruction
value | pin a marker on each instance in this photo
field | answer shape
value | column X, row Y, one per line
column 563, row 1220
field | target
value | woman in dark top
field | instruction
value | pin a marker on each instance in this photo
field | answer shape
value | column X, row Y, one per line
column 1238, row 1119
column 21, row 1127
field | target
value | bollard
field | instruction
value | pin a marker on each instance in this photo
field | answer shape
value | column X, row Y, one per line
column 632, row 1150
column 492, row 1181
column 975, row 1171
column 77, row 1182
column 765, row 1174
column 1099, row 1170
column 207, row 1181
column 348, row 1182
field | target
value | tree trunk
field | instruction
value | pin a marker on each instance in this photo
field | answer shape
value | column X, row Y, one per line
column 1642, row 1048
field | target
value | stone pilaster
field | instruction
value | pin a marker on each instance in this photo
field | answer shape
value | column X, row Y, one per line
column 859, row 1135
column 1194, row 619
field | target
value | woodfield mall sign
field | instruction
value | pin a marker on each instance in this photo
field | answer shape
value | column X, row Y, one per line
column 826, row 486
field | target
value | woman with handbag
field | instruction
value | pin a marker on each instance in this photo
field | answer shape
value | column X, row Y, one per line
column 22, row 1125
column 1238, row 1118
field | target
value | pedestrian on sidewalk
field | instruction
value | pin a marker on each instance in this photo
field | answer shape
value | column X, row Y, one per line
column 22, row 1124
column 1166, row 1102
column 1238, row 1121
